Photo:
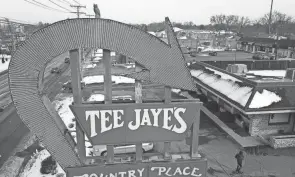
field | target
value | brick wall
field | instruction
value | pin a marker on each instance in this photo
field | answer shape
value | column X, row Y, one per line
column 259, row 125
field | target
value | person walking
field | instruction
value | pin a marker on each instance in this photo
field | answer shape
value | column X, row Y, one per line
column 240, row 158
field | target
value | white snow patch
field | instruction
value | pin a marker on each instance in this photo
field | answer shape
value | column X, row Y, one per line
column 4, row 66
column 67, row 116
column 275, row 73
column 264, row 99
column 176, row 90
column 96, row 97
column 100, row 79
column 113, row 53
column 32, row 169
column 226, row 87
column 90, row 66
column 212, row 49
column 65, row 112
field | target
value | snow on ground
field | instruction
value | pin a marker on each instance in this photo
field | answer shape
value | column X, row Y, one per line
column 90, row 66
column 226, row 87
column 276, row 73
column 4, row 66
column 32, row 169
column 264, row 99
column 96, row 97
column 100, row 79
column 209, row 49
column 65, row 113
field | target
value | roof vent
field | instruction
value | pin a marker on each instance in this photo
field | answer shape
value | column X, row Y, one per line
column 290, row 74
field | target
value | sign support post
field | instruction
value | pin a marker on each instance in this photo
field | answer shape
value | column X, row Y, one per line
column 77, row 94
column 108, row 93
column 167, row 101
column 138, row 99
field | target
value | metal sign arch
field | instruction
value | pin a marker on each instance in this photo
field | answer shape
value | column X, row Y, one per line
column 27, row 66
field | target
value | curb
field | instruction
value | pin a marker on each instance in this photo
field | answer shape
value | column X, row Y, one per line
column 6, row 112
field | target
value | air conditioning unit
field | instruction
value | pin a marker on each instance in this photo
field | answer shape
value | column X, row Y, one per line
column 290, row 74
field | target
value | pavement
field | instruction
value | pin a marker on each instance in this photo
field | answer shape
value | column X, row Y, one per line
column 12, row 129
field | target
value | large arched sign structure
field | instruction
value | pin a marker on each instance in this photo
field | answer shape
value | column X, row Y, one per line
column 165, row 64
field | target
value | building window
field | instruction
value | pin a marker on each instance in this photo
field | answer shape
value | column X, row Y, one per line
column 279, row 119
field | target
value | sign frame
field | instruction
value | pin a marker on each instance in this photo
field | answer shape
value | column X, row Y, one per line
column 178, row 137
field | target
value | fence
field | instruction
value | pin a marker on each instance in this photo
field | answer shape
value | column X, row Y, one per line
column 5, row 98
column 256, row 64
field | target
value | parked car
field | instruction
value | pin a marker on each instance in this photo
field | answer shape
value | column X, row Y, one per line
column 55, row 70
column 67, row 60
column 263, row 56
column 213, row 53
column 101, row 150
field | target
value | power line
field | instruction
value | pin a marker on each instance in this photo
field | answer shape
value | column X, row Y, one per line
column 76, row 2
column 59, row 5
column 78, row 10
column 44, row 6
column 15, row 20
column 65, row 2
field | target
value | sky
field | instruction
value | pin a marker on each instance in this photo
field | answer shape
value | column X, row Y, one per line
column 144, row 11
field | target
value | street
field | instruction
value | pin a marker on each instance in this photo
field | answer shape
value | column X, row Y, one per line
column 12, row 129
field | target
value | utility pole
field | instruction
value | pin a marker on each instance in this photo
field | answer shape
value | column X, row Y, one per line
column 270, row 18
column 78, row 7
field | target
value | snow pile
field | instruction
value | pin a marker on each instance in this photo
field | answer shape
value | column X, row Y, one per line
column 275, row 73
column 96, row 97
column 226, row 87
column 90, row 66
column 100, row 79
column 264, row 99
column 32, row 169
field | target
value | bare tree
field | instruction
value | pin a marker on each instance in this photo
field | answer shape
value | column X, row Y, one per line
column 278, row 19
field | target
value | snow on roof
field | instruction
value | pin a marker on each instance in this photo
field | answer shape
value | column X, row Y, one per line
column 224, row 76
column 226, row 87
column 264, row 99
column 100, row 79
column 241, row 95
column 275, row 73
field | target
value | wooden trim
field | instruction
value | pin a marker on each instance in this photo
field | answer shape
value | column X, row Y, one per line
column 278, row 123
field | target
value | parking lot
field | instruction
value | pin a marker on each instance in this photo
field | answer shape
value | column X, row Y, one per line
column 224, row 56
